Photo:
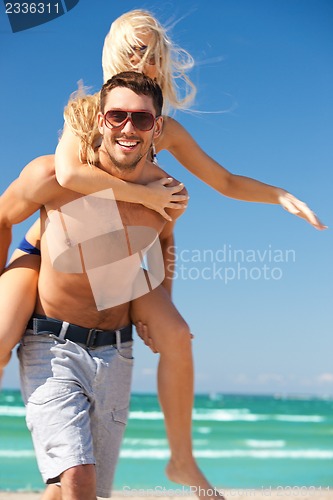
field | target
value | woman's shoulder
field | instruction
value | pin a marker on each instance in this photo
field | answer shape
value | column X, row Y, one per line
column 171, row 133
column 170, row 124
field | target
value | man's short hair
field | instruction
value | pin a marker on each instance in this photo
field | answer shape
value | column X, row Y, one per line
column 138, row 83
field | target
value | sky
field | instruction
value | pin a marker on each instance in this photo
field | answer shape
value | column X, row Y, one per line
column 253, row 282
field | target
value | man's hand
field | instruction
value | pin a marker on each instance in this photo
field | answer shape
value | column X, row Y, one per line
column 142, row 331
column 299, row 208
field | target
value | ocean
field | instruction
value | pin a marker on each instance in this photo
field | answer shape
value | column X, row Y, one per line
column 239, row 441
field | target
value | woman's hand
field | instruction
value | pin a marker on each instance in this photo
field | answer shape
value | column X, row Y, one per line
column 299, row 208
column 159, row 196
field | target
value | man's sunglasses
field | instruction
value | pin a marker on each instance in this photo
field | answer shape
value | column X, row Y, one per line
column 142, row 120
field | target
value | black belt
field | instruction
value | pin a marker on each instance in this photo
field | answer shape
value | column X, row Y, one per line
column 90, row 337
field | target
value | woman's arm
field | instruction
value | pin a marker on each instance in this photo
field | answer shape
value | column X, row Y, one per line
column 86, row 179
column 185, row 149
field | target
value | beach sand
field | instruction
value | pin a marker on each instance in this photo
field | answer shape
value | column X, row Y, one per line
column 230, row 495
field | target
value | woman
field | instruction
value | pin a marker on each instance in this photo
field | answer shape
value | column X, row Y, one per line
column 137, row 41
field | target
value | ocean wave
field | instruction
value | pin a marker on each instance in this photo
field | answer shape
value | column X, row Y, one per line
column 12, row 411
column 146, row 415
column 202, row 415
column 300, row 418
column 205, row 430
column 9, row 398
column 17, row 453
column 157, row 442
column 259, row 443
column 144, row 442
column 163, row 454
column 242, row 415
column 227, row 415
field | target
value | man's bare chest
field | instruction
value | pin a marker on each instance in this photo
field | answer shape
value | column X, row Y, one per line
column 107, row 241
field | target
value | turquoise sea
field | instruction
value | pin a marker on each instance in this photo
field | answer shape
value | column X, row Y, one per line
column 240, row 442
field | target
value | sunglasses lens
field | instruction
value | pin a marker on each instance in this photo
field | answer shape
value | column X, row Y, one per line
column 140, row 50
column 115, row 118
column 142, row 120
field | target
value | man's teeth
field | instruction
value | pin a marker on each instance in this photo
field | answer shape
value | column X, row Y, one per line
column 127, row 143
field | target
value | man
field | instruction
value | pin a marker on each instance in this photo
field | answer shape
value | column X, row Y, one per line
column 77, row 378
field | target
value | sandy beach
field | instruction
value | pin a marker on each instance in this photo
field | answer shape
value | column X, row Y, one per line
column 283, row 494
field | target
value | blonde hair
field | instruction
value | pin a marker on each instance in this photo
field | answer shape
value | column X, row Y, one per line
column 80, row 116
column 171, row 63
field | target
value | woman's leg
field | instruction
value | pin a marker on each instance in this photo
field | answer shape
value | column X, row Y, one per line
column 18, row 287
column 172, row 339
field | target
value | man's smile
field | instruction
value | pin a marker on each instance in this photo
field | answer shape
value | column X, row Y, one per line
column 127, row 144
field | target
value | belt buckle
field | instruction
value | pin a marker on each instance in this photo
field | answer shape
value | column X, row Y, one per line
column 92, row 336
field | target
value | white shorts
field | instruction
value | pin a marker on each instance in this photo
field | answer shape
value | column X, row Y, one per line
column 77, row 403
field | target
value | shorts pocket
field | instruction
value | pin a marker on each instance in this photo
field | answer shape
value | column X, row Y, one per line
column 45, row 404
column 126, row 352
column 120, row 416
column 112, row 386
column 50, row 391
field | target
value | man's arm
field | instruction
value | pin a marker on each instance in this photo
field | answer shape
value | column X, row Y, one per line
column 167, row 241
column 35, row 186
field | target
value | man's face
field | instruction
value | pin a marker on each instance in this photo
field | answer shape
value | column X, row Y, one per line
column 127, row 145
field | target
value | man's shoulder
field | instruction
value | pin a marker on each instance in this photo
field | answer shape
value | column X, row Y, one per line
column 40, row 167
column 160, row 173
column 39, row 178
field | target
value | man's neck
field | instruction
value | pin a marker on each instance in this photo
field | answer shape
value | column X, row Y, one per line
column 137, row 175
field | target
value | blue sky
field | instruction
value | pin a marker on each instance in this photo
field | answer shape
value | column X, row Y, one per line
column 266, row 66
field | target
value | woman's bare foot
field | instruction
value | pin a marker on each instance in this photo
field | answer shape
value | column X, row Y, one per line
column 189, row 474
